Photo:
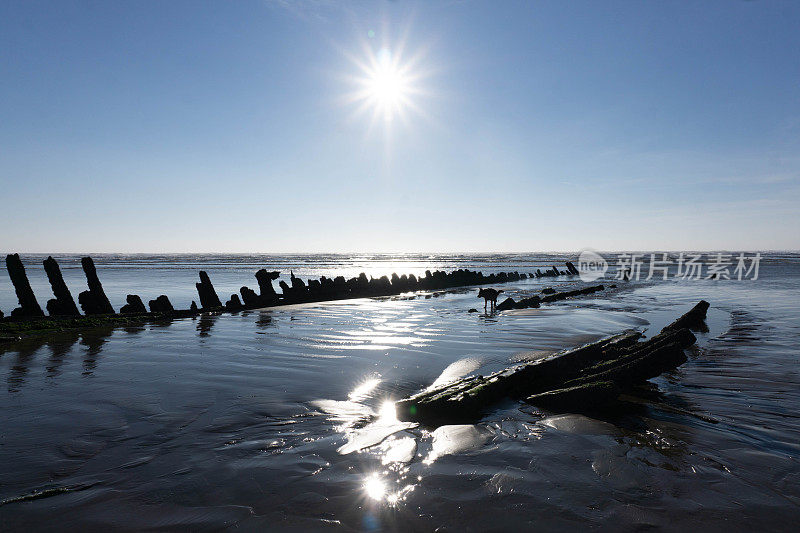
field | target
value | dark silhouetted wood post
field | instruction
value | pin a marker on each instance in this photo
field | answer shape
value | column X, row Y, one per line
column 63, row 304
column 134, row 305
column 94, row 301
column 28, row 306
column 208, row 296
column 161, row 305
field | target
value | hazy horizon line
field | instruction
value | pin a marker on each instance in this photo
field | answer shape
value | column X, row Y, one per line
column 467, row 252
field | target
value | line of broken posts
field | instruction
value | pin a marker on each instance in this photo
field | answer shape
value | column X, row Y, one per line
column 95, row 302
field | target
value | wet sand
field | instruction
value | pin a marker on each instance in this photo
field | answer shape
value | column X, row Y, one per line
column 281, row 419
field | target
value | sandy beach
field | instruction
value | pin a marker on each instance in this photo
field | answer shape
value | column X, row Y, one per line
column 282, row 417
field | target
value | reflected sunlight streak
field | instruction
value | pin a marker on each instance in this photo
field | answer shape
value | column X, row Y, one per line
column 387, row 412
column 362, row 390
column 375, row 488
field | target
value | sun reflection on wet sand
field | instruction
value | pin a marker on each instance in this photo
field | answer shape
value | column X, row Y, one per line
column 363, row 425
column 456, row 370
column 372, row 428
column 387, row 412
column 384, row 425
column 377, row 488
column 398, row 450
column 448, row 440
column 362, row 390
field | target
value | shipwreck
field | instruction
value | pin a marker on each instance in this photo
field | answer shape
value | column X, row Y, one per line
column 581, row 378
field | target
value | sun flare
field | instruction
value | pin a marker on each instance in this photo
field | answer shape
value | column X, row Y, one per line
column 387, row 86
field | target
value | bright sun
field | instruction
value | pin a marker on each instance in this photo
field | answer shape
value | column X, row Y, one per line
column 387, row 87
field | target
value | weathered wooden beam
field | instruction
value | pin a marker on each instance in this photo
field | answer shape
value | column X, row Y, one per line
column 463, row 398
column 550, row 296
column 94, row 301
column 571, row 268
column 234, row 304
column 564, row 378
column 265, row 279
column 250, row 298
column 134, row 305
column 631, row 370
column 63, row 304
column 692, row 319
column 297, row 283
column 28, row 306
column 595, row 394
column 571, row 294
column 161, row 305
column 205, row 290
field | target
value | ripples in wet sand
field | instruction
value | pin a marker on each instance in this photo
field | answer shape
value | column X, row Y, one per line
column 283, row 419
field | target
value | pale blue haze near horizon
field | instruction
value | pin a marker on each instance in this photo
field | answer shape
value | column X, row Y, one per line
column 226, row 127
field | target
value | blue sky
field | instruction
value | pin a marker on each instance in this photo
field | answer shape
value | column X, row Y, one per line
column 230, row 127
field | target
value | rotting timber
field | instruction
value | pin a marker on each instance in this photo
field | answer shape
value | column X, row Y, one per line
column 29, row 319
column 587, row 376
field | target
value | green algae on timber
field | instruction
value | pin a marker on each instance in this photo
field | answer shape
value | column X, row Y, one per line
column 582, row 377
column 13, row 330
column 596, row 394
column 467, row 397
